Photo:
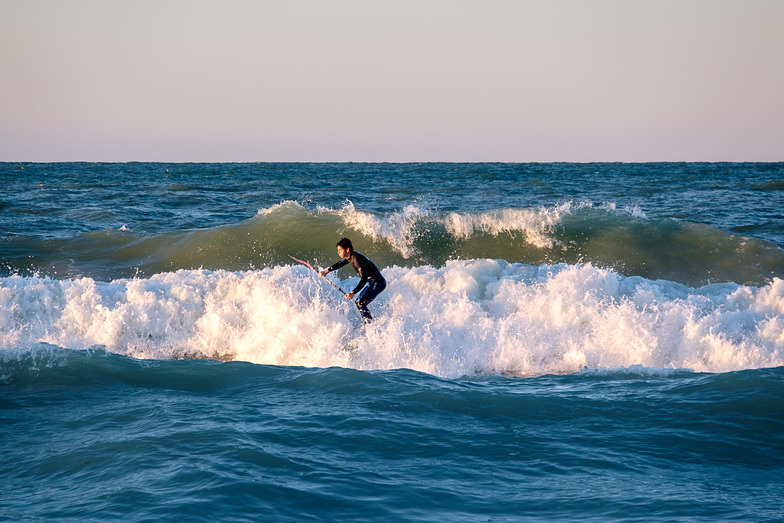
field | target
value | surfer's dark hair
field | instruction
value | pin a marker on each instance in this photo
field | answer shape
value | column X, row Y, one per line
column 346, row 244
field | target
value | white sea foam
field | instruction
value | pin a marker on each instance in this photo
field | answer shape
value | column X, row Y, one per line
column 400, row 229
column 397, row 228
column 476, row 316
column 537, row 225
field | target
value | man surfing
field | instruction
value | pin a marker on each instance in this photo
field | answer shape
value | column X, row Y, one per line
column 368, row 274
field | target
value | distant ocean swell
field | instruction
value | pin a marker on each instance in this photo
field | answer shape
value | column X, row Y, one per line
column 464, row 318
column 604, row 235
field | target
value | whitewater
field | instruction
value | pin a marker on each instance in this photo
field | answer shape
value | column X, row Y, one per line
column 468, row 317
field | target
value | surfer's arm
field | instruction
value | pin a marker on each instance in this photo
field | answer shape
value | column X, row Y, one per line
column 333, row 267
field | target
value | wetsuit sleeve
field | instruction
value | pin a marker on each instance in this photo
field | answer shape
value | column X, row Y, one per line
column 337, row 265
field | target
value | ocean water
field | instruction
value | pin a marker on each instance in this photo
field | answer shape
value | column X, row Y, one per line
column 593, row 342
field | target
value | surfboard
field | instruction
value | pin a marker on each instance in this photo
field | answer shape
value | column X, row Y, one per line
column 353, row 338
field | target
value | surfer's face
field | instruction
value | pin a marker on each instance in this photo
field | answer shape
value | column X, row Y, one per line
column 343, row 253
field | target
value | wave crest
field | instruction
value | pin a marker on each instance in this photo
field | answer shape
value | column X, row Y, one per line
column 622, row 239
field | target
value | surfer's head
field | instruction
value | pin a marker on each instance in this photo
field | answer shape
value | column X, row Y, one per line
column 345, row 248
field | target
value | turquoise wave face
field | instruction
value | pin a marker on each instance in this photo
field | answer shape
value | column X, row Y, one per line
column 624, row 240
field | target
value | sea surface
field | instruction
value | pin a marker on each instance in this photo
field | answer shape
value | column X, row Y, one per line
column 557, row 342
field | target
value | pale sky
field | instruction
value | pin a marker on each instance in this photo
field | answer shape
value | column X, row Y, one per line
column 392, row 80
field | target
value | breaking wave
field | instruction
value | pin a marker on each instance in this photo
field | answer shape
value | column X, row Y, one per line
column 481, row 316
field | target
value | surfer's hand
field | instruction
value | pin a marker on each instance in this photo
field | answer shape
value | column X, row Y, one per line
column 349, row 295
column 323, row 273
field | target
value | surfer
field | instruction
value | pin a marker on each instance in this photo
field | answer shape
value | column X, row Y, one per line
column 368, row 274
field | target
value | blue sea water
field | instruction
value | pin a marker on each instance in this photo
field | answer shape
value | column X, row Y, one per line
column 592, row 342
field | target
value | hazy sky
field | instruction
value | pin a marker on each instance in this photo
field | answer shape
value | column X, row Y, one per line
column 392, row 80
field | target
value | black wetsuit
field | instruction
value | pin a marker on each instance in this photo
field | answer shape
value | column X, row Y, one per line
column 368, row 274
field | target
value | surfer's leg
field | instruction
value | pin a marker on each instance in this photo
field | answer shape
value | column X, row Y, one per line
column 367, row 295
column 364, row 312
